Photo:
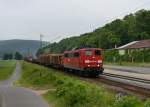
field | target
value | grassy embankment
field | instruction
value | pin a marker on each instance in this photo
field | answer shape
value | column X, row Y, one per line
column 129, row 64
column 6, row 68
column 65, row 91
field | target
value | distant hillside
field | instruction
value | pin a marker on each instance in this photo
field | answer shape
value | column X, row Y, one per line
column 23, row 46
column 132, row 27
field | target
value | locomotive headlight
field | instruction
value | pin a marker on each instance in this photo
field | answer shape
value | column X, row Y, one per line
column 100, row 61
column 87, row 61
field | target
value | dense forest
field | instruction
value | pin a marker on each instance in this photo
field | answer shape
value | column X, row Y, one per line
column 119, row 32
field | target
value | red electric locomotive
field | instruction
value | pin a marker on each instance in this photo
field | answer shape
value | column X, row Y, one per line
column 86, row 62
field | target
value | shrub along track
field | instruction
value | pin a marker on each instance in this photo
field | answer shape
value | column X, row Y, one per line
column 124, row 87
column 121, row 84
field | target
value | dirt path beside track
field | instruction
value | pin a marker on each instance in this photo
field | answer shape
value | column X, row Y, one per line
column 11, row 96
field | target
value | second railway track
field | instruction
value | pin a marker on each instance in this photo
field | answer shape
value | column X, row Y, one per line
column 128, row 78
column 138, row 86
column 122, row 84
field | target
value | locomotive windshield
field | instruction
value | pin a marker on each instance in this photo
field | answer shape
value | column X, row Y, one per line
column 66, row 55
column 97, row 52
column 88, row 53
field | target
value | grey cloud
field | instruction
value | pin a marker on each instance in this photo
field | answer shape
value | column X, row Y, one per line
column 26, row 19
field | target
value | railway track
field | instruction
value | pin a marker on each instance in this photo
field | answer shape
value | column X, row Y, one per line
column 128, row 78
column 122, row 84
column 138, row 86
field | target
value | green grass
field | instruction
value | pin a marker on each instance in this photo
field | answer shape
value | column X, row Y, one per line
column 129, row 64
column 6, row 68
column 65, row 91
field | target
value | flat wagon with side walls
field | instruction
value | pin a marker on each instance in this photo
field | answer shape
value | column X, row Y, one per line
column 42, row 59
column 55, row 60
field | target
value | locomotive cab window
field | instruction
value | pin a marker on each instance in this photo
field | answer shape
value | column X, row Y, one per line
column 70, row 55
column 97, row 52
column 66, row 55
column 88, row 53
column 76, row 54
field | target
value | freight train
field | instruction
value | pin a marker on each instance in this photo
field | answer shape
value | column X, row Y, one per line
column 84, row 62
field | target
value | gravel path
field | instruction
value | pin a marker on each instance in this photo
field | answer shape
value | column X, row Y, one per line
column 11, row 96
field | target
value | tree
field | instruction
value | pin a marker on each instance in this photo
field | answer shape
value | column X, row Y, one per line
column 18, row 56
column 143, row 21
column 143, row 35
column 108, row 39
column 8, row 56
column 132, row 27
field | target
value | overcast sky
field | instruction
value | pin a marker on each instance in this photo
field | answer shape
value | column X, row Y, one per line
column 27, row 19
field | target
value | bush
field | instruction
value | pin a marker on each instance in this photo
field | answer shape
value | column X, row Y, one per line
column 128, row 101
column 111, row 56
column 78, row 94
column 72, row 92
column 147, row 103
column 135, row 56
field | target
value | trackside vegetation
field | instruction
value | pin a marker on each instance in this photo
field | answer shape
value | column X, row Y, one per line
column 6, row 68
column 68, row 91
column 136, row 58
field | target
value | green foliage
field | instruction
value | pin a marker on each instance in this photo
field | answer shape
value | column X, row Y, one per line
column 133, row 56
column 6, row 69
column 129, row 101
column 18, row 56
column 147, row 103
column 7, row 56
column 72, row 92
column 117, row 33
column 111, row 55
column 76, row 94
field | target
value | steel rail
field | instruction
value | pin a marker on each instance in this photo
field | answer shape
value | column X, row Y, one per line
column 138, row 89
column 128, row 78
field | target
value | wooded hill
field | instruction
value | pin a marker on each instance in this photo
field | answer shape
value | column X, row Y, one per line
column 25, row 47
column 119, row 32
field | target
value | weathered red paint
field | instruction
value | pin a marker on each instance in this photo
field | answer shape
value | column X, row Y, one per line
column 83, row 61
